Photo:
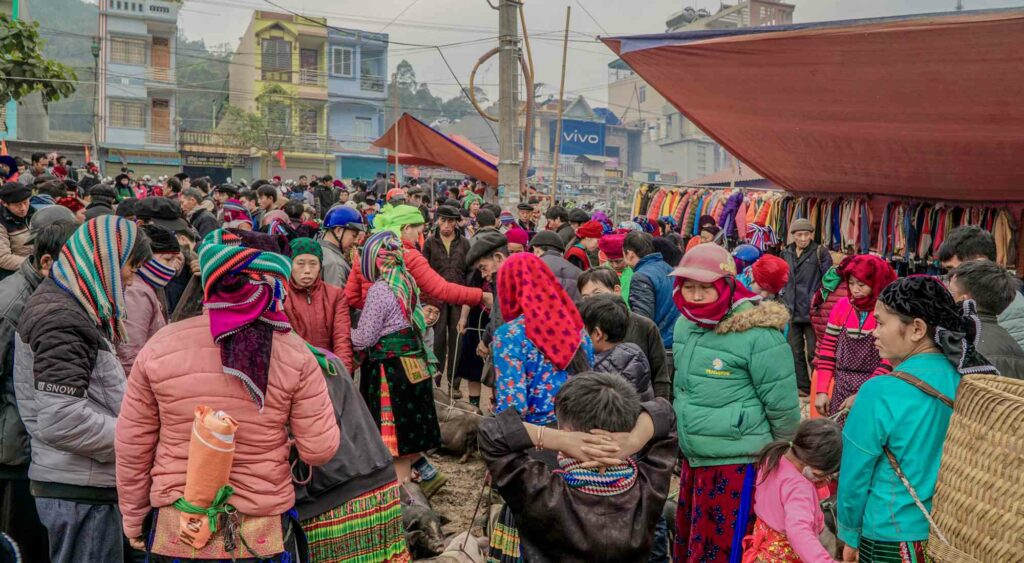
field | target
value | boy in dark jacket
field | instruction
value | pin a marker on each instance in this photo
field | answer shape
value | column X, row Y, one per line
column 579, row 514
column 606, row 319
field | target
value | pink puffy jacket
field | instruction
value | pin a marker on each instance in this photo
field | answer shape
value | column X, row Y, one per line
column 180, row 368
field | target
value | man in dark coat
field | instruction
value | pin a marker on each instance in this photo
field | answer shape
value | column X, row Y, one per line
column 547, row 245
column 993, row 288
column 808, row 262
column 446, row 251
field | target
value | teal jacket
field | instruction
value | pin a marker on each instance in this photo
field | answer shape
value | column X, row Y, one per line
column 873, row 503
column 735, row 386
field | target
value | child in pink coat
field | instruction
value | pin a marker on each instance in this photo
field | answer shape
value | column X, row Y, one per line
column 786, row 502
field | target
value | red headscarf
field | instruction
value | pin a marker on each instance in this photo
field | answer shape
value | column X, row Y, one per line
column 708, row 315
column 527, row 287
column 871, row 270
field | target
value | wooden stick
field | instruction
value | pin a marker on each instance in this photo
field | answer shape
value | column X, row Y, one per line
column 561, row 95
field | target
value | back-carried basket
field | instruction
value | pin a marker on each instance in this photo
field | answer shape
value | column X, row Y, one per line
column 978, row 507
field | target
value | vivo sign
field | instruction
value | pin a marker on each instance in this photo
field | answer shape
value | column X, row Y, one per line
column 580, row 137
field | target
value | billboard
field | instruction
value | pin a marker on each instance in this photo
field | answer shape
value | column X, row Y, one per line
column 579, row 137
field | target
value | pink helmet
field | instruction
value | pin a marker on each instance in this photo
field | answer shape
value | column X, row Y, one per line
column 706, row 263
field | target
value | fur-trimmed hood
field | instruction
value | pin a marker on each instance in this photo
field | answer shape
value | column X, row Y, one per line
column 765, row 314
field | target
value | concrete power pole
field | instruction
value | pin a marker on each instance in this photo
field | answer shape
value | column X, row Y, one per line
column 508, row 124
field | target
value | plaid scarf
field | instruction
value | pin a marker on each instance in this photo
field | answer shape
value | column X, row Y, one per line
column 244, row 291
column 89, row 268
column 615, row 480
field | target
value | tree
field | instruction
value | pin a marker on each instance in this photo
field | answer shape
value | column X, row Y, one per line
column 255, row 131
column 24, row 69
column 459, row 106
column 203, row 77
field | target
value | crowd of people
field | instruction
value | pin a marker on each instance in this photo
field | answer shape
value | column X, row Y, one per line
column 602, row 359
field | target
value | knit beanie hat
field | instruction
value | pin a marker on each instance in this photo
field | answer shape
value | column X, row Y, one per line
column 302, row 246
column 590, row 229
column 611, row 245
column 516, row 235
column 801, row 224
column 506, row 218
column 770, row 273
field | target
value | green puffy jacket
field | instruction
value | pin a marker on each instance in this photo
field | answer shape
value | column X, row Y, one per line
column 735, row 386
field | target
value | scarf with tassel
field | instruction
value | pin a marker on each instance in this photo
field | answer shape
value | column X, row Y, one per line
column 156, row 274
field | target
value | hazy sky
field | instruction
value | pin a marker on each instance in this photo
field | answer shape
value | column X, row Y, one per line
column 436, row 22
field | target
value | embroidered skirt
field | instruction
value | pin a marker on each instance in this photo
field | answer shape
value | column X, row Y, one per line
column 715, row 512
column 404, row 411
column 768, row 546
column 366, row 529
column 505, row 539
column 872, row 551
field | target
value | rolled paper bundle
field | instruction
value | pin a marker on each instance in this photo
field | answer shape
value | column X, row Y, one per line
column 211, row 451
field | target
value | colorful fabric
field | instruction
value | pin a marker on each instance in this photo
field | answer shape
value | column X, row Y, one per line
column 366, row 529
column 762, row 236
column 611, row 481
column 387, row 416
column 470, row 199
column 527, row 288
column 307, row 246
column 872, row 551
column 276, row 223
column 524, row 378
column 89, row 268
column 707, row 315
column 505, row 544
column 829, row 282
column 766, row 545
column 870, row 270
column 847, row 351
column 244, row 292
column 715, row 512
column 411, row 405
column 156, row 274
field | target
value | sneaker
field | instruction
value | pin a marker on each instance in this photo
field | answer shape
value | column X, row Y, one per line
column 431, row 487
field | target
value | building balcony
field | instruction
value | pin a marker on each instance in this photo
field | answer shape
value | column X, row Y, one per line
column 158, row 74
column 159, row 10
column 312, row 77
column 160, row 138
column 371, row 83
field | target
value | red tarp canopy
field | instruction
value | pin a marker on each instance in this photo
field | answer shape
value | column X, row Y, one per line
column 428, row 147
column 924, row 106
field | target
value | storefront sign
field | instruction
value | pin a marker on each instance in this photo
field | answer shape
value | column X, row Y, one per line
column 214, row 160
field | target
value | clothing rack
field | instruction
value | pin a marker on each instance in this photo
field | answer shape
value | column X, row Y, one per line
column 908, row 232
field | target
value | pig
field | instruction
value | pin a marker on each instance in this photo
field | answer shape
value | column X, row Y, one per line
column 463, row 548
column 459, row 424
column 423, row 533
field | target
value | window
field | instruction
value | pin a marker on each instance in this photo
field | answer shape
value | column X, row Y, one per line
column 129, row 115
column 341, row 61
column 307, row 121
column 643, row 94
column 277, row 60
column 278, row 116
column 364, row 128
column 668, row 125
column 127, row 51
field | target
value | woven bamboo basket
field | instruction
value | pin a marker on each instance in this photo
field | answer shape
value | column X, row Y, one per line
column 979, row 498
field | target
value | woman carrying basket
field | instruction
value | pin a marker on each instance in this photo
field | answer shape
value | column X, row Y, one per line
column 931, row 342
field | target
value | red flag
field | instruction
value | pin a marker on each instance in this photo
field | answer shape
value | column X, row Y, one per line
column 3, row 147
column 88, row 157
column 279, row 155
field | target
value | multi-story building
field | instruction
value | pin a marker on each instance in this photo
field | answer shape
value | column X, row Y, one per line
column 674, row 149
column 280, row 70
column 137, row 97
column 356, row 94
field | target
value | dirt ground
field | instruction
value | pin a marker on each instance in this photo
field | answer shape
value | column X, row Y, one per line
column 458, row 498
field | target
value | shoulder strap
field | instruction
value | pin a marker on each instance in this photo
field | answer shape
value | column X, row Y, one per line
column 924, row 387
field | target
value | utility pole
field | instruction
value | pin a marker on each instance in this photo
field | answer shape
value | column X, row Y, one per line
column 509, row 190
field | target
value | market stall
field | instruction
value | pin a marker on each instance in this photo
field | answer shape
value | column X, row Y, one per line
column 428, row 147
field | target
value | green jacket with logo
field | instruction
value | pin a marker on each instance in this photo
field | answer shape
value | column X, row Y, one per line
column 735, row 385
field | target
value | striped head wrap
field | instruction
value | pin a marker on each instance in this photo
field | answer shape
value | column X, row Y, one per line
column 762, row 236
column 384, row 260
column 244, row 292
column 89, row 268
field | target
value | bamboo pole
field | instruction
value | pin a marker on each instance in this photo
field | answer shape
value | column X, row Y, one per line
column 561, row 95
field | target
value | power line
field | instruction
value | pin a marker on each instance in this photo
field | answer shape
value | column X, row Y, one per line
column 580, row 4
column 387, row 25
